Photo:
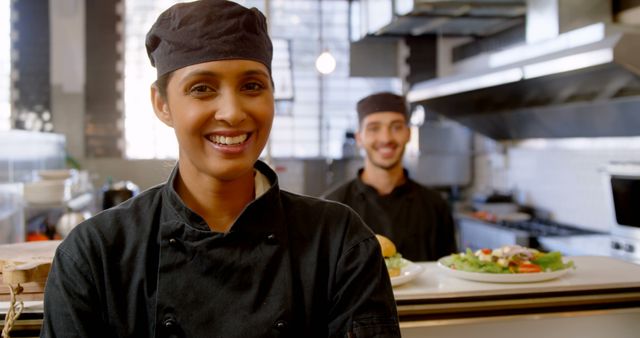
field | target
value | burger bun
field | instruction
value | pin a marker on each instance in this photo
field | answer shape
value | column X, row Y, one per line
column 388, row 248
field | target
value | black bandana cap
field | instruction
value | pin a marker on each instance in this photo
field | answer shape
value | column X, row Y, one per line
column 207, row 30
column 381, row 102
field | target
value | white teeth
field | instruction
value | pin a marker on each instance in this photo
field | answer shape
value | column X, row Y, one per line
column 229, row 140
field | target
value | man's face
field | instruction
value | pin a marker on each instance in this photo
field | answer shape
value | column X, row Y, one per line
column 222, row 112
column 383, row 136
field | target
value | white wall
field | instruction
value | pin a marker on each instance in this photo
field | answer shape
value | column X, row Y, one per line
column 565, row 176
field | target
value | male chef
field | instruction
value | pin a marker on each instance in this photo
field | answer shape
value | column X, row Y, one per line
column 417, row 219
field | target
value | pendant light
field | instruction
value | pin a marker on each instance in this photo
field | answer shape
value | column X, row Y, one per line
column 325, row 63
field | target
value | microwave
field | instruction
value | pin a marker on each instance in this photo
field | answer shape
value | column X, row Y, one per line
column 623, row 188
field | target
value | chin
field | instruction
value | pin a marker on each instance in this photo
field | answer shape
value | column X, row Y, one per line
column 226, row 169
column 387, row 164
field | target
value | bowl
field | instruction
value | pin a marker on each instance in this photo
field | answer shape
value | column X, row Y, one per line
column 55, row 174
column 68, row 221
column 47, row 191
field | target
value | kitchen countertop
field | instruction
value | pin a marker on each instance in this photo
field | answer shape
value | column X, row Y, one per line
column 29, row 306
column 600, row 298
column 591, row 273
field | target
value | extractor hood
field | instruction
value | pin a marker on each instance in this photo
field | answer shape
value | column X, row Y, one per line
column 582, row 83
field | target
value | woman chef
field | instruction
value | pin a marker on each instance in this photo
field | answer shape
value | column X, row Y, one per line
column 219, row 250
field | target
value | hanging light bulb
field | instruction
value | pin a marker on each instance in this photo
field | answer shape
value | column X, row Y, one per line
column 326, row 63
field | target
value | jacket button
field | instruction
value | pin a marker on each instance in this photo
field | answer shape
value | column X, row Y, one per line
column 272, row 239
column 172, row 241
column 169, row 322
column 280, row 325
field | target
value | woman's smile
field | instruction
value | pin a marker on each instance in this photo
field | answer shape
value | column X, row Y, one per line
column 230, row 143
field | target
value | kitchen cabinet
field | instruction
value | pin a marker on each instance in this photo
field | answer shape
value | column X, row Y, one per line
column 600, row 298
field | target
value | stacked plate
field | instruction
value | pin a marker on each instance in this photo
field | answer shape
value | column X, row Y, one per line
column 50, row 187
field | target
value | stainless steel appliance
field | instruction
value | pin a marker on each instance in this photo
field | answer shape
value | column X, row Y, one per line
column 622, row 183
column 477, row 234
column 118, row 192
column 575, row 75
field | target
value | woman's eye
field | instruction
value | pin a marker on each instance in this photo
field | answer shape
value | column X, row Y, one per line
column 201, row 88
column 253, row 86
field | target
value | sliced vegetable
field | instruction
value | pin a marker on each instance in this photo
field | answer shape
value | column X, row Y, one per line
column 528, row 268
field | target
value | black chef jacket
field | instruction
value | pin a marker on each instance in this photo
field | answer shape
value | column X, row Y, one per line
column 417, row 219
column 291, row 266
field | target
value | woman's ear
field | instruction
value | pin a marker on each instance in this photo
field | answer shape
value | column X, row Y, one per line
column 160, row 106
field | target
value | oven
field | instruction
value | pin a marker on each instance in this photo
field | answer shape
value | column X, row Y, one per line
column 622, row 183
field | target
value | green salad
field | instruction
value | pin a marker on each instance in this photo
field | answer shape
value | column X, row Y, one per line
column 395, row 262
column 507, row 259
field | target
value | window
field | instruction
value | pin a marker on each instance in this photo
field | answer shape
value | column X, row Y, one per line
column 311, row 124
column 155, row 140
column 5, row 65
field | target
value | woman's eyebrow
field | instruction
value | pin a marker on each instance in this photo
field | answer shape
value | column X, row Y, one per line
column 199, row 73
column 209, row 73
column 256, row 72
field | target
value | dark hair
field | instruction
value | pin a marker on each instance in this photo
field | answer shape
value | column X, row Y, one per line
column 162, row 83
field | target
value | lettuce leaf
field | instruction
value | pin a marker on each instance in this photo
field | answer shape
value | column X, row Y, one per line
column 395, row 261
column 551, row 261
column 469, row 262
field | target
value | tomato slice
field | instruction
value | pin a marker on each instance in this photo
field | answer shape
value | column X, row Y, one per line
column 486, row 251
column 529, row 268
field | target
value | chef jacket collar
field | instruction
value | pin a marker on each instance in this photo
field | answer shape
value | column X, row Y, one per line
column 252, row 219
column 403, row 189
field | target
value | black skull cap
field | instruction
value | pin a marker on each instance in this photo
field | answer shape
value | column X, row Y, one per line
column 207, row 30
column 381, row 102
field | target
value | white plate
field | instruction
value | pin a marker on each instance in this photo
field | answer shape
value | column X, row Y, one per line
column 502, row 277
column 55, row 174
column 407, row 274
column 47, row 191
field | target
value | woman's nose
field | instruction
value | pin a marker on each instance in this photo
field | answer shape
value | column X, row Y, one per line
column 230, row 110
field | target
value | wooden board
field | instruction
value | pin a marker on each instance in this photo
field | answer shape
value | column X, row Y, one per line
column 26, row 262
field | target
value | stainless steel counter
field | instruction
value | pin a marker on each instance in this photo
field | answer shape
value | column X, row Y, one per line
column 600, row 290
